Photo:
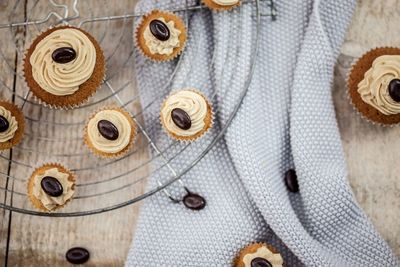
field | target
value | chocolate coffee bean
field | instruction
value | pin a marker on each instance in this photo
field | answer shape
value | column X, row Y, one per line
column 181, row 119
column 108, row 130
column 291, row 181
column 77, row 255
column 4, row 124
column 194, row 201
column 51, row 186
column 394, row 89
column 159, row 29
column 63, row 55
column 260, row 262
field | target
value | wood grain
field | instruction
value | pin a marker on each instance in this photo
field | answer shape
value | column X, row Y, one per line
column 372, row 161
column 371, row 151
column 41, row 241
column 8, row 58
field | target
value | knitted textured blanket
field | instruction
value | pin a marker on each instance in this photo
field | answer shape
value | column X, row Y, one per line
column 286, row 120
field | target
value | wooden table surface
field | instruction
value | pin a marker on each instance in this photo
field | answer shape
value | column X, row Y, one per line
column 25, row 240
column 40, row 241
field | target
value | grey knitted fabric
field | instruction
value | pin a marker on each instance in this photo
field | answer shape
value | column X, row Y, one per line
column 286, row 120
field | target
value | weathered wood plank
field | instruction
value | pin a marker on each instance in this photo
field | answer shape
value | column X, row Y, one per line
column 371, row 151
column 9, row 10
column 39, row 241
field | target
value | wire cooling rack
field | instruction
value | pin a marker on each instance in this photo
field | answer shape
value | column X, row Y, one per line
column 56, row 135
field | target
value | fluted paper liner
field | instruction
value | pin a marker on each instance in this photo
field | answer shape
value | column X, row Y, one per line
column 209, row 120
column 85, row 91
column 19, row 133
column 144, row 22
column 356, row 74
column 40, row 169
column 102, row 154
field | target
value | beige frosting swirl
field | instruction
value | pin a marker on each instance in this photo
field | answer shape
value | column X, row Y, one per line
column 263, row 252
column 12, row 125
column 193, row 104
column 124, row 129
column 50, row 202
column 63, row 79
column 373, row 89
column 226, row 2
column 162, row 47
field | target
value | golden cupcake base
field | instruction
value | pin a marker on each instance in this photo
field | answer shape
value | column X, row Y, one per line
column 40, row 170
column 19, row 116
column 141, row 43
column 85, row 91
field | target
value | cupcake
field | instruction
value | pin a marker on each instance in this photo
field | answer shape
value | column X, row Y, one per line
column 374, row 85
column 221, row 5
column 110, row 132
column 64, row 66
column 259, row 254
column 51, row 186
column 161, row 36
column 12, row 125
column 186, row 115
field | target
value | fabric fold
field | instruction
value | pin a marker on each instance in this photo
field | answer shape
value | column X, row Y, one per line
column 286, row 121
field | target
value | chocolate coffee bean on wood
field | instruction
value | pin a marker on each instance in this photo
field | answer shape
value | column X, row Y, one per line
column 4, row 124
column 63, row 55
column 260, row 262
column 291, row 181
column 181, row 119
column 77, row 255
column 394, row 89
column 108, row 130
column 194, row 201
column 159, row 29
column 51, row 186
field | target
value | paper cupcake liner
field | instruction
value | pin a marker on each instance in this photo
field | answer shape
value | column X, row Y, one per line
column 140, row 43
column 68, row 106
column 19, row 133
column 101, row 154
column 359, row 113
column 41, row 167
column 252, row 248
column 214, row 6
column 189, row 139
column 354, row 67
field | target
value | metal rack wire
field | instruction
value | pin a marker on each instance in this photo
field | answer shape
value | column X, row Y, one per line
column 113, row 183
